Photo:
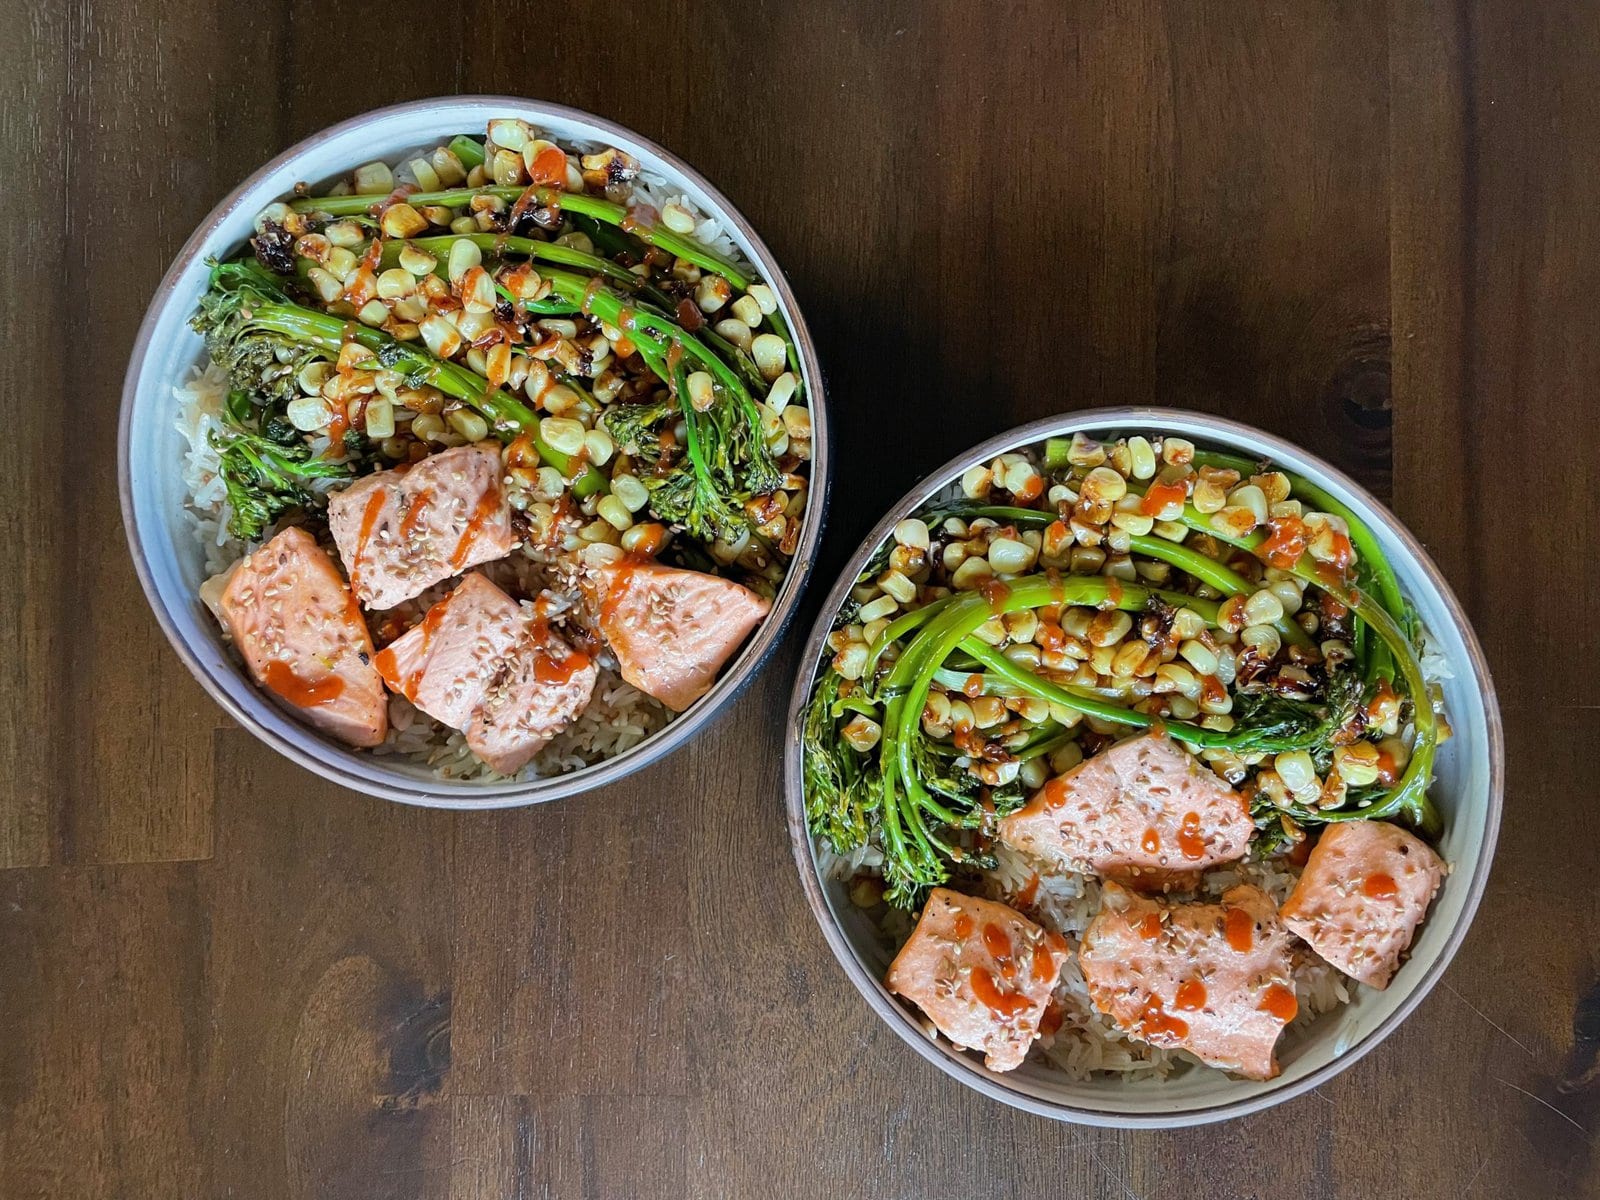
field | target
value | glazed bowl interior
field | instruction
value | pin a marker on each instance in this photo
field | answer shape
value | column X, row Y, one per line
column 170, row 561
column 1467, row 790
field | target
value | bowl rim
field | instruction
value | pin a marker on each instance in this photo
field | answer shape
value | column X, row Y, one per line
column 450, row 794
column 955, row 1063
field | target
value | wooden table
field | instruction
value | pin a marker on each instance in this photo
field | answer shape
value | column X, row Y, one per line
column 1368, row 227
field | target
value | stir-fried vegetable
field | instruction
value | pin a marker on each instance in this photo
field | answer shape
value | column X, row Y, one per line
column 960, row 677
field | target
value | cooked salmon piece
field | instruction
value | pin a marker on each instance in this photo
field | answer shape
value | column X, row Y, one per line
column 482, row 663
column 1144, row 812
column 1213, row 979
column 1364, row 891
column 401, row 531
column 982, row 972
column 304, row 639
column 671, row 630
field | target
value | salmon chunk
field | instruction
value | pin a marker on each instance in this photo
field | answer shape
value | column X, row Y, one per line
column 482, row 663
column 1213, row 979
column 671, row 630
column 1144, row 812
column 1364, row 891
column 304, row 639
column 982, row 972
column 400, row 532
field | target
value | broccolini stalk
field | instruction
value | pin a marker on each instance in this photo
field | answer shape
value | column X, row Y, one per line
column 1410, row 795
column 468, row 150
column 677, row 244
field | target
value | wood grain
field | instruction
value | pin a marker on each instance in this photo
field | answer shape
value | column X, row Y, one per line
column 1369, row 227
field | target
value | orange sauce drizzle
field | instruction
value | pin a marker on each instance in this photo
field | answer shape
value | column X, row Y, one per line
column 1240, row 929
column 302, row 693
column 1280, row 1002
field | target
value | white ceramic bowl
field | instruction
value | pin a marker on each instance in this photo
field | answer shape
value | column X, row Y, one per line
column 150, row 449
column 1467, row 790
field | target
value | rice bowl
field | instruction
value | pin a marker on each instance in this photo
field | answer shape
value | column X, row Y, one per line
column 1097, row 1073
column 177, row 515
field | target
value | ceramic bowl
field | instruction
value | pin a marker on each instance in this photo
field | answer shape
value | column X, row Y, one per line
column 1467, row 790
column 150, row 448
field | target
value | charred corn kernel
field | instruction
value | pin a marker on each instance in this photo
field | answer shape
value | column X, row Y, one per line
column 507, row 168
column 308, row 413
column 1251, row 497
column 1010, row 557
column 469, row 424
column 914, row 533
column 862, row 733
column 417, row 262
column 702, row 394
column 1208, row 497
column 440, row 336
column 447, row 167
column 1234, row 520
column 1109, row 628
column 781, row 392
column 1171, row 677
column 1128, row 659
column 1199, row 656
column 326, row 284
column 797, row 421
column 477, row 291
column 677, row 218
column 1177, row 452
column 630, row 491
column 560, row 400
column 1358, row 763
column 598, row 447
column 897, row 585
column 402, row 221
column 1263, row 608
column 1133, row 523
column 735, row 331
column 976, row 483
column 1103, row 483
column 712, row 293
column 1141, row 458
column 373, row 312
column 1173, row 531
column 395, row 284
column 464, row 255
column 987, row 711
column 1288, row 593
column 747, row 310
column 380, row 419
column 770, row 354
column 1085, row 451
column 1298, row 772
column 562, row 434
column 373, row 179
column 765, row 297
column 971, row 573
column 615, row 512
column 510, row 133
column 883, row 606
column 428, row 427
column 1263, row 639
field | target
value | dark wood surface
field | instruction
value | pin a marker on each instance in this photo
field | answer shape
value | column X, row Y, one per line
column 1372, row 228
